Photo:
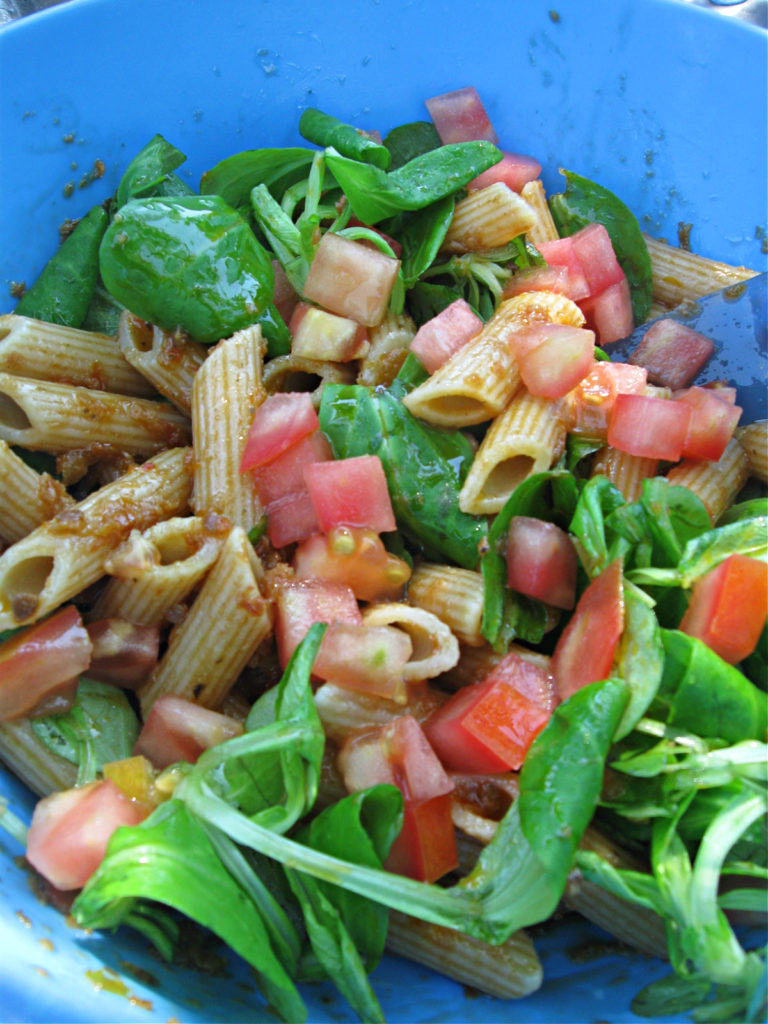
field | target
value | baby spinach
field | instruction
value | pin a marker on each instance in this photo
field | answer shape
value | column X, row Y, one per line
column 236, row 176
column 585, row 202
column 150, row 171
column 326, row 130
column 407, row 141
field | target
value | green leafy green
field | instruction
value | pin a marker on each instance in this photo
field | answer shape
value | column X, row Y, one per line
column 326, row 130
column 407, row 141
column 235, row 177
column 150, row 169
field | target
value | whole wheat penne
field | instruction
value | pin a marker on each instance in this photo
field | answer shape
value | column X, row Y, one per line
column 295, row 373
column 435, row 648
column 543, row 228
column 454, row 595
column 527, row 437
column 227, row 621
column 32, row 760
column 168, row 360
column 59, row 418
column 479, row 380
column 625, row 471
column 66, row 554
column 67, row 355
column 715, row 483
column 343, row 711
column 753, row 438
column 226, row 392
column 509, row 970
column 153, row 571
column 679, row 275
column 29, row 498
column 488, row 219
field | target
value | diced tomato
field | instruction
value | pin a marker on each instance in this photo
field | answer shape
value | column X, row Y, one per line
column 180, row 730
column 285, row 297
column 301, row 603
column 70, row 830
column 399, row 754
column 644, row 425
column 722, row 389
column 538, row 279
column 561, row 253
column 541, row 561
column 489, row 726
column 460, row 116
column 123, row 653
column 356, row 558
column 351, row 279
column 281, row 421
column 594, row 250
column 585, row 651
column 318, row 334
column 437, row 340
column 369, row 659
column 589, row 405
column 283, row 492
column 553, row 358
column 42, row 660
column 712, row 424
column 291, row 519
column 350, row 492
column 609, row 314
column 729, row 606
column 514, row 169
column 672, row 353
column 136, row 778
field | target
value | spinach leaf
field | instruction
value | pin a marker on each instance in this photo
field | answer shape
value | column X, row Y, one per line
column 585, row 202
column 426, row 300
column 639, row 656
column 103, row 314
column 326, row 130
column 150, row 168
column 375, row 194
column 421, row 234
column 63, row 291
column 100, row 726
column 598, row 545
column 408, row 141
column 236, row 176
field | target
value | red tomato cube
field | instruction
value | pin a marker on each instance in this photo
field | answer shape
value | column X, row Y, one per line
column 439, row 338
column 644, row 425
column 285, row 297
column 356, row 558
column 350, row 492
column 281, row 421
column 180, row 730
column 283, row 492
column 712, row 424
column 538, row 279
column 561, row 253
column 460, row 116
column 426, row 848
column 594, row 250
column 553, row 358
column 318, row 334
column 369, row 659
column 514, row 169
column 728, row 607
column 351, row 279
column 70, row 830
column 589, row 405
column 541, row 561
column 672, row 353
column 301, row 603
column 585, row 650
column 609, row 313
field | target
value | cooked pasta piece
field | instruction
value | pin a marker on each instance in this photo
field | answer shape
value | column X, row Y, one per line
column 715, row 483
column 753, row 438
column 488, row 219
column 543, row 228
column 29, row 498
column 295, row 373
column 167, row 359
column 228, row 620
column 479, row 380
column 679, row 275
column 454, row 595
column 435, row 648
column 509, row 970
column 475, row 663
column 625, row 471
column 66, row 355
column 344, row 711
column 66, row 554
column 153, row 571
column 58, row 418
column 527, row 437
column 389, row 342
column 226, row 392
column 32, row 760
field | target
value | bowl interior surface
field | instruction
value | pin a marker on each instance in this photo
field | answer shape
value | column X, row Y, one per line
column 661, row 102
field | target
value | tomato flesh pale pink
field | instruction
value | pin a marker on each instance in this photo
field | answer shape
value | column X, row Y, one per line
column 459, row 116
column 350, row 492
column 442, row 336
column 369, row 659
column 515, row 170
column 280, row 421
column 180, row 730
column 553, row 358
column 651, row 427
column 672, row 353
column 351, row 279
column 541, row 561
column 301, row 603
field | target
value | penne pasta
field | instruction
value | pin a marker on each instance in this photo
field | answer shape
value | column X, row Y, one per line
column 29, row 498
column 527, row 437
column 753, row 438
column 67, row 355
column 32, row 760
column 715, row 483
column 227, row 391
column 343, row 711
column 389, row 343
column 454, row 595
column 679, row 275
column 66, row 554
column 435, row 648
column 168, row 360
column 295, row 373
column 543, row 228
column 58, row 418
column 227, row 621
column 488, row 219
column 625, row 471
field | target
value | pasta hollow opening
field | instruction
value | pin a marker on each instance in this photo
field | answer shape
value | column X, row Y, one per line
column 142, row 336
column 24, row 583
column 461, row 407
column 299, row 380
column 507, row 474
column 172, row 549
column 4, row 332
column 12, row 415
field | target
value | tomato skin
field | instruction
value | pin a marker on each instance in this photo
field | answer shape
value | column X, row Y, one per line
column 644, row 425
column 42, row 660
column 728, row 607
column 356, row 558
column 425, row 849
column 70, row 830
column 459, row 116
column 713, row 421
column 553, row 358
column 586, row 648
column 279, row 422
column 350, row 492
column 541, row 561
column 180, row 730
column 439, row 338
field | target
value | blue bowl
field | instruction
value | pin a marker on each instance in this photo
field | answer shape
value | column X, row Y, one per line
column 661, row 101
